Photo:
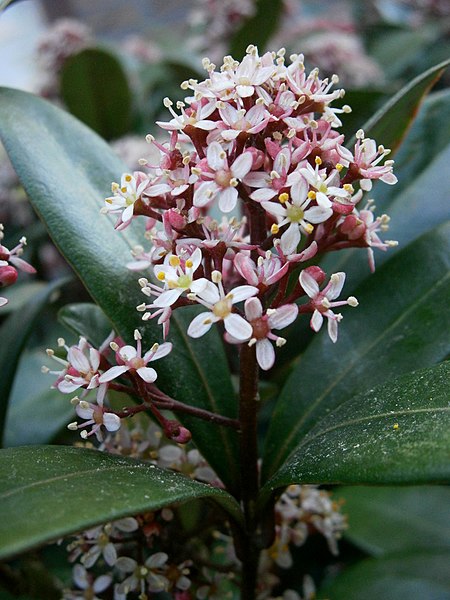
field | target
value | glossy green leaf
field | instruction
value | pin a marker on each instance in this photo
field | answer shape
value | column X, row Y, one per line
column 95, row 89
column 87, row 320
column 36, row 413
column 258, row 28
column 415, row 576
column 14, row 333
column 50, row 491
column 390, row 123
column 67, row 170
column 397, row 433
column 393, row 519
column 401, row 324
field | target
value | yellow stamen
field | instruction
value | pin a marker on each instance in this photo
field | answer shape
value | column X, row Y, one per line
column 284, row 197
column 274, row 229
column 128, row 178
column 161, row 276
column 189, row 263
column 308, row 228
column 312, row 195
column 339, row 167
column 174, row 261
column 318, row 160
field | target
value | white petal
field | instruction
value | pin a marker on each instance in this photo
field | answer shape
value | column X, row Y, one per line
column 200, row 324
column 238, row 327
column 263, row 194
column 163, row 350
column 290, row 239
column 111, row 421
column 284, row 316
column 265, row 354
column 318, row 214
column 168, row 297
column 112, row 373
column 109, row 553
column 242, row 292
column 333, row 329
column 227, row 199
column 148, row 374
column 316, row 320
column 101, row 583
column 215, row 155
column 210, row 293
column 205, row 193
column 128, row 352
column 242, row 165
column 334, row 288
column 309, row 284
column 78, row 360
column 274, row 208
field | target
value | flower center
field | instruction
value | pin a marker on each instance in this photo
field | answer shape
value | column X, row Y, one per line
column 184, row 281
column 222, row 308
column 295, row 214
column 223, row 178
column 260, row 328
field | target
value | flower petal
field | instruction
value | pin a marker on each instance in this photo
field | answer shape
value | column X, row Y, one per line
column 265, row 354
column 148, row 374
column 238, row 327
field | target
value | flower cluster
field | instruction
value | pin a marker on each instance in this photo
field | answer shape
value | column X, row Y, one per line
column 87, row 368
column 10, row 261
column 254, row 184
column 140, row 555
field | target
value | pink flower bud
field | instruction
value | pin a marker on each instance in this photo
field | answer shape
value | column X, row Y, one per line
column 317, row 274
column 8, row 276
column 176, row 432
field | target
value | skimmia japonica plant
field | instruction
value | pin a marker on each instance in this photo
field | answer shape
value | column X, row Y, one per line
column 231, row 231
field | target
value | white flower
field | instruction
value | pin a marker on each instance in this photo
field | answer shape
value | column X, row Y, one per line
column 125, row 196
column 178, row 277
column 222, row 178
column 220, row 307
column 132, row 360
column 321, row 301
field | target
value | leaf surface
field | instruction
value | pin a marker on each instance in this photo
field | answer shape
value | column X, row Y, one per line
column 416, row 576
column 67, row 170
column 401, row 324
column 384, row 520
column 391, row 122
column 397, row 433
column 95, row 89
column 50, row 491
column 14, row 333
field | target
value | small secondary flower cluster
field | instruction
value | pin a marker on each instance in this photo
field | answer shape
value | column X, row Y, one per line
column 142, row 554
column 9, row 260
column 255, row 143
column 87, row 368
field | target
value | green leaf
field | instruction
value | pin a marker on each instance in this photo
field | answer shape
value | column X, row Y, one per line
column 66, row 170
column 87, row 320
column 397, row 433
column 35, row 413
column 48, row 491
column 389, row 125
column 14, row 333
column 95, row 89
column 258, row 28
column 401, row 324
column 415, row 576
column 393, row 519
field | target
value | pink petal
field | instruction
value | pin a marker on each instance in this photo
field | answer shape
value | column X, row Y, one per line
column 242, row 165
column 227, row 199
column 309, row 284
column 253, row 309
column 316, row 320
column 284, row 316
